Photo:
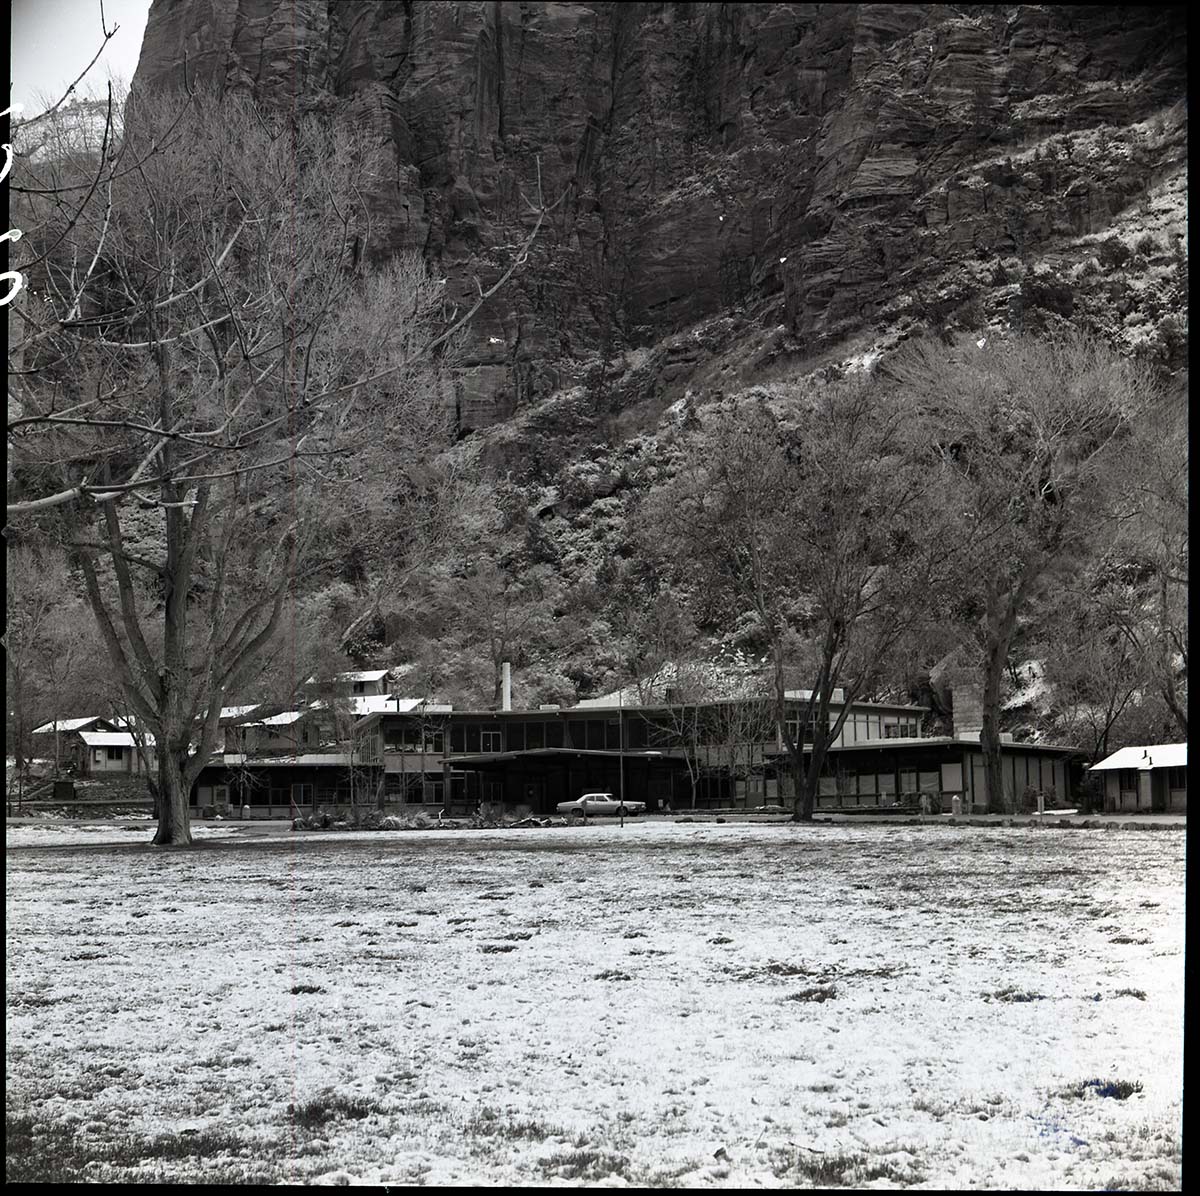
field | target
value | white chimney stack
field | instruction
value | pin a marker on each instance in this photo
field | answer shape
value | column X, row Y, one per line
column 506, row 686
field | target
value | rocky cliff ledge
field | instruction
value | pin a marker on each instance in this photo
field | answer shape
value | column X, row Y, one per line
column 815, row 168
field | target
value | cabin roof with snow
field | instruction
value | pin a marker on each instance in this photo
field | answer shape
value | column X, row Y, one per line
column 1154, row 755
column 366, row 675
column 69, row 724
column 238, row 712
column 112, row 739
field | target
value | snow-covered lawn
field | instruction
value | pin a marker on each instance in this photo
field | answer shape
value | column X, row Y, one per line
column 75, row 834
column 886, row 1006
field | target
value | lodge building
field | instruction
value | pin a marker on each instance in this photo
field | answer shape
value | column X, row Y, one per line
column 717, row 754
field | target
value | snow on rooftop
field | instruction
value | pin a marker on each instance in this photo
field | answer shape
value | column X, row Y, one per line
column 284, row 719
column 365, row 675
column 238, row 711
column 67, row 724
column 365, row 704
column 112, row 739
column 303, row 759
column 1154, row 755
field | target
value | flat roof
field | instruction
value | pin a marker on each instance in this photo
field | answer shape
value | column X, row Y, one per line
column 580, row 709
column 872, row 745
column 310, row 759
column 613, row 753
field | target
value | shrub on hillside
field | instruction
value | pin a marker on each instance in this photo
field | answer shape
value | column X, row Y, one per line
column 1046, row 292
column 1146, row 245
column 1113, row 253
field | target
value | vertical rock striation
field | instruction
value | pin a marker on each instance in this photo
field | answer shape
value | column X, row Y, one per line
column 809, row 164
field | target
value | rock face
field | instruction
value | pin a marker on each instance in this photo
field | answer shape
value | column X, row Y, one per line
column 819, row 167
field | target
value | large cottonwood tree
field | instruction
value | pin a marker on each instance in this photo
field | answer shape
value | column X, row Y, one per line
column 810, row 527
column 1021, row 436
column 209, row 351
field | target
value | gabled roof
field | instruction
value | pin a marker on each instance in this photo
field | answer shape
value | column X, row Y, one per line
column 112, row 739
column 353, row 675
column 237, row 712
column 284, row 719
column 363, row 675
column 69, row 724
column 1154, row 755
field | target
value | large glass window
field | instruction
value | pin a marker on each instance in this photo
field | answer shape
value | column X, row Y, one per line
column 554, row 734
column 473, row 737
column 595, row 734
column 612, row 735
column 490, row 741
column 516, row 737
column 458, row 739
column 535, row 736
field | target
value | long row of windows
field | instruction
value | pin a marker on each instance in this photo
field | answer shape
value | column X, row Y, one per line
column 669, row 730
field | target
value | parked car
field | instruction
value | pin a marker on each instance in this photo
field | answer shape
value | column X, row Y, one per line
column 600, row 803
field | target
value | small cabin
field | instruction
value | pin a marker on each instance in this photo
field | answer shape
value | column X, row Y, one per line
column 286, row 733
column 108, row 752
column 1151, row 779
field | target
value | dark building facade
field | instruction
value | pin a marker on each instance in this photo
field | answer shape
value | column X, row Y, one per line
column 708, row 755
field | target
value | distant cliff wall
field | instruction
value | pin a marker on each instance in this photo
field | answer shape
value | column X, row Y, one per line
column 807, row 164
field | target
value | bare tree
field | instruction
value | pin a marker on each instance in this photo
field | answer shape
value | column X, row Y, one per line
column 1095, row 670
column 1021, row 432
column 29, row 609
column 209, row 345
column 815, row 531
column 1152, row 518
column 737, row 731
column 49, row 648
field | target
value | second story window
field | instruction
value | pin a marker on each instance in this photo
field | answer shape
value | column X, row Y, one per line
column 490, row 741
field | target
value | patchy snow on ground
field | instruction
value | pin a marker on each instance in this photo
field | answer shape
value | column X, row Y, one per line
column 829, row 1005
column 136, row 829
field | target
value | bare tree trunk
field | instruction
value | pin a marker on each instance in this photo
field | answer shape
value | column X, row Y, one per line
column 174, row 810
column 989, row 735
column 805, row 806
column 999, row 635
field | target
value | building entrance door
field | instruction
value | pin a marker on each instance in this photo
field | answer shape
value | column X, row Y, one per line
column 533, row 794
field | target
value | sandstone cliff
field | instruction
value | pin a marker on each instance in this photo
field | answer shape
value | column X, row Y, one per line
column 776, row 179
